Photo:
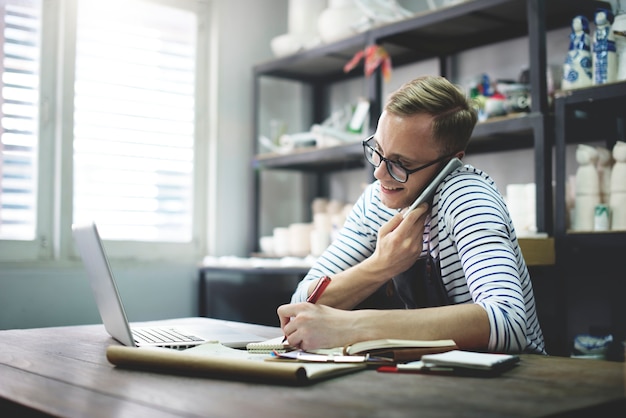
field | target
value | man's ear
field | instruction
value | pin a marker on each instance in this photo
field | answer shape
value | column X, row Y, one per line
column 460, row 155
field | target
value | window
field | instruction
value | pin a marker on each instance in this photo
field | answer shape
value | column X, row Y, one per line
column 99, row 122
column 21, row 33
column 134, row 119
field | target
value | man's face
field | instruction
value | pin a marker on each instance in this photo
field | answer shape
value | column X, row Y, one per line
column 408, row 141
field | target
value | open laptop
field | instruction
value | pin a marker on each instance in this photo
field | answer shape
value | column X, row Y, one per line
column 113, row 314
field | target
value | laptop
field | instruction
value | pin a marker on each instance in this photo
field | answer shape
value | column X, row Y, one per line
column 112, row 311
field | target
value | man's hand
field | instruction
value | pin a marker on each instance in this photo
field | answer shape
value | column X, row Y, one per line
column 400, row 241
column 399, row 245
column 309, row 327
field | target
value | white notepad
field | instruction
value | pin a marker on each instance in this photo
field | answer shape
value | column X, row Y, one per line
column 471, row 360
column 268, row 346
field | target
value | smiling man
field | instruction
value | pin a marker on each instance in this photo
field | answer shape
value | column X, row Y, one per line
column 450, row 269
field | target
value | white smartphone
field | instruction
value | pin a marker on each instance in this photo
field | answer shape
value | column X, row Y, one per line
column 452, row 165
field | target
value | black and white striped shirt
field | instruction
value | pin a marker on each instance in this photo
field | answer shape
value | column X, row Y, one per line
column 470, row 232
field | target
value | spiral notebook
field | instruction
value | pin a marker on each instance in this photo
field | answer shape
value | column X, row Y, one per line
column 268, row 346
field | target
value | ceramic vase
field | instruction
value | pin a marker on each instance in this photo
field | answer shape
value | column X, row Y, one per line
column 577, row 70
column 617, row 199
column 619, row 31
column 603, row 48
column 587, row 188
column 339, row 20
column 302, row 27
column 605, row 164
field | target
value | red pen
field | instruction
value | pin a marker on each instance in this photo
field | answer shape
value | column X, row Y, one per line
column 319, row 289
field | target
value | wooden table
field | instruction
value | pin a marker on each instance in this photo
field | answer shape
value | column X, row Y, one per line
column 63, row 371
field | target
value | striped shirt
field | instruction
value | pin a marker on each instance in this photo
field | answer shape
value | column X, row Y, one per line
column 470, row 232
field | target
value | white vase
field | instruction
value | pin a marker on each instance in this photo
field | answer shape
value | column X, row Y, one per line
column 605, row 164
column 303, row 15
column 302, row 27
column 587, row 188
column 619, row 30
column 339, row 20
column 617, row 199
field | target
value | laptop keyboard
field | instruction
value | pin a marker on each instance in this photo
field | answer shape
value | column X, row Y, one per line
column 163, row 336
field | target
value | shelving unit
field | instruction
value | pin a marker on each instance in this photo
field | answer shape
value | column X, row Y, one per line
column 436, row 34
column 439, row 35
column 591, row 262
column 587, row 115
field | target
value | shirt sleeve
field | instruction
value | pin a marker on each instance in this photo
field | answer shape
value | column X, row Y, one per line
column 355, row 241
column 497, row 278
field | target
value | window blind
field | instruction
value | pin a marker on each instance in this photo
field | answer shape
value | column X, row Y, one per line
column 134, row 120
column 21, row 33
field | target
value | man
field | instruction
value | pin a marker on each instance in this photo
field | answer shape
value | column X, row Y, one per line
column 451, row 269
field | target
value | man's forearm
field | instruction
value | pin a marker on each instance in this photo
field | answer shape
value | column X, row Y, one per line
column 352, row 286
column 466, row 324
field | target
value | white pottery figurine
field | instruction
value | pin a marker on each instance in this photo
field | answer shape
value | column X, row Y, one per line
column 577, row 70
column 619, row 31
column 603, row 46
column 340, row 19
column 587, row 188
column 605, row 163
column 302, row 27
column 617, row 200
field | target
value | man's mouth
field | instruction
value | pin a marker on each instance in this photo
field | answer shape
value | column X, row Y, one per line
column 390, row 188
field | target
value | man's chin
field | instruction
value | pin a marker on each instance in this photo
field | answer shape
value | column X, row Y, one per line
column 394, row 204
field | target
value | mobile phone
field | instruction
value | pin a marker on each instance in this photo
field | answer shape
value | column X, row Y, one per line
column 452, row 165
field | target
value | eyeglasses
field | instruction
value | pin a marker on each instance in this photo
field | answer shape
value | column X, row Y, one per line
column 394, row 168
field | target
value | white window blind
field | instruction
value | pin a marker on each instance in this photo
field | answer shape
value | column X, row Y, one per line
column 21, row 33
column 134, row 119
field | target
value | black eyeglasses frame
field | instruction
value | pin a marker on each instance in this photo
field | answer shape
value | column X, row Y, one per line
column 368, row 156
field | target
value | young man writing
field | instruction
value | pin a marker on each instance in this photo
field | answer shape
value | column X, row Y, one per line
column 450, row 269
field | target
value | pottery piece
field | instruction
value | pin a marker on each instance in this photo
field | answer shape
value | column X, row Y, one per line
column 619, row 31
column 339, row 20
column 603, row 47
column 577, row 70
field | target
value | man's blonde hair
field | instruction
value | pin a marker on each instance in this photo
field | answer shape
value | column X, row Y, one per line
column 454, row 115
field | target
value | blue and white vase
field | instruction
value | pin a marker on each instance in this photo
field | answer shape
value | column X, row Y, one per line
column 577, row 70
column 603, row 47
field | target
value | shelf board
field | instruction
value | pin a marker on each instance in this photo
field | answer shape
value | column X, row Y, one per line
column 320, row 64
column 471, row 24
column 509, row 132
column 587, row 96
column 314, row 159
column 426, row 35
column 595, row 240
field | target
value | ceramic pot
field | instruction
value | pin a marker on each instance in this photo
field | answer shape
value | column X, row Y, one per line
column 603, row 48
column 338, row 20
column 578, row 66
column 617, row 199
column 619, row 30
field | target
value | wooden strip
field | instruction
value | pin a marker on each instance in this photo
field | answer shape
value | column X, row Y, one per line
column 538, row 251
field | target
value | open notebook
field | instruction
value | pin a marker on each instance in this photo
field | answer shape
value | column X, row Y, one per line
column 392, row 349
column 113, row 314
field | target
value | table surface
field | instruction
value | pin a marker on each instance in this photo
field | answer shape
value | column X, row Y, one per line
column 63, row 371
